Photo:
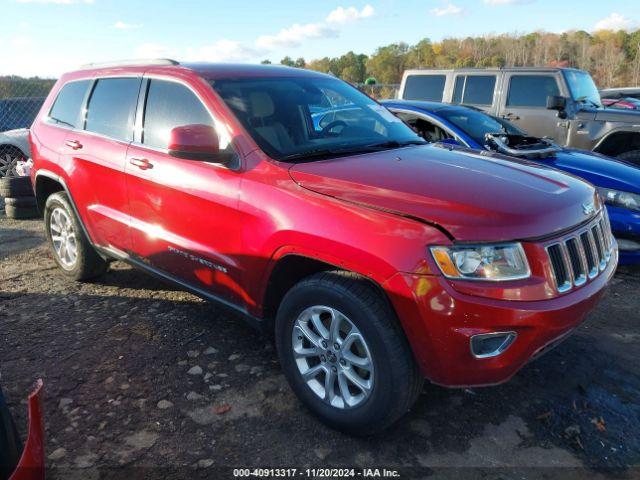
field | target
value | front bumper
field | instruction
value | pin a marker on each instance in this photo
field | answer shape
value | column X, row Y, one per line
column 440, row 321
column 625, row 225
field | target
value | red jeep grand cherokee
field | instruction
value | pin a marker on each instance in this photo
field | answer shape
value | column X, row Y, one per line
column 288, row 195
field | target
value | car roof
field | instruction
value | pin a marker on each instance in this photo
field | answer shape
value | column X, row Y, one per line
column 433, row 107
column 203, row 69
column 621, row 89
column 424, row 71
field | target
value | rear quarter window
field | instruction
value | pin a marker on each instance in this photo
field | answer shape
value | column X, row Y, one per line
column 66, row 107
column 531, row 90
column 112, row 107
column 474, row 89
column 424, row 87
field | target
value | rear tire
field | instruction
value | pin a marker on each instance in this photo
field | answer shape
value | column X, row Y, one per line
column 21, row 201
column 16, row 187
column 71, row 249
column 632, row 156
column 391, row 374
column 20, row 212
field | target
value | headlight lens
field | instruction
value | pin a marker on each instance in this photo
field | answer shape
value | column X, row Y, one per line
column 484, row 262
column 617, row 198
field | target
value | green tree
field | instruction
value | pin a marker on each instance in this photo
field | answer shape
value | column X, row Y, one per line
column 388, row 62
column 288, row 61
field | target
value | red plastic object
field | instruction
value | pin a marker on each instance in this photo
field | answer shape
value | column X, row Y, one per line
column 31, row 465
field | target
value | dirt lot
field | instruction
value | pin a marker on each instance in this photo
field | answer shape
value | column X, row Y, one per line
column 145, row 380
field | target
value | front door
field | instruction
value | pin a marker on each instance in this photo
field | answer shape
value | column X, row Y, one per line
column 184, row 215
column 525, row 103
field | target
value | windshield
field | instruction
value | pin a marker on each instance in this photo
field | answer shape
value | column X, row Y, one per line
column 299, row 118
column 582, row 88
column 478, row 124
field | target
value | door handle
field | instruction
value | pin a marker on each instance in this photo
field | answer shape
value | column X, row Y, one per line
column 74, row 144
column 141, row 163
column 511, row 116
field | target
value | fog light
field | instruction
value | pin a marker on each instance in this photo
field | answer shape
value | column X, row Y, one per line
column 488, row 345
column 627, row 245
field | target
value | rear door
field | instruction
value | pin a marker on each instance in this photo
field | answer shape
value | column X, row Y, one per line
column 524, row 103
column 184, row 212
column 97, row 152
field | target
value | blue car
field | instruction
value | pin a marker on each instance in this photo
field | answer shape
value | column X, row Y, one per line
column 617, row 182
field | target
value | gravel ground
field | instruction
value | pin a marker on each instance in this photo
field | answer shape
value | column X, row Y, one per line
column 143, row 380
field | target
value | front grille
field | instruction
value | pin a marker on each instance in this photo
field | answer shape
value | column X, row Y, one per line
column 581, row 255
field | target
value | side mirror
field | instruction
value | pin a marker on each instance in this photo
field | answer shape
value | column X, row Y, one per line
column 450, row 141
column 197, row 142
column 556, row 102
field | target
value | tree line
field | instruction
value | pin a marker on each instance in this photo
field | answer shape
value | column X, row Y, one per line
column 612, row 57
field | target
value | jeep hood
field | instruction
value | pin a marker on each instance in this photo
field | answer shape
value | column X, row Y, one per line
column 618, row 115
column 475, row 196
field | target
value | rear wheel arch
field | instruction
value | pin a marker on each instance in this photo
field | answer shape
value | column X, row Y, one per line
column 618, row 142
column 45, row 187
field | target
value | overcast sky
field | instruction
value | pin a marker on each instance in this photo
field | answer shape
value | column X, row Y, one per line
column 48, row 37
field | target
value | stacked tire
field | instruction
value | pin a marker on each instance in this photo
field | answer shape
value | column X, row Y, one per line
column 19, row 200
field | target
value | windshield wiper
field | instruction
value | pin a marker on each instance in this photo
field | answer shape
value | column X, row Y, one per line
column 61, row 122
column 394, row 144
column 585, row 99
column 351, row 150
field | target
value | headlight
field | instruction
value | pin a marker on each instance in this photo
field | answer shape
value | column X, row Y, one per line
column 616, row 198
column 485, row 262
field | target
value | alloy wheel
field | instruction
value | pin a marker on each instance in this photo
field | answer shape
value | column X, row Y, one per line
column 63, row 237
column 333, row 357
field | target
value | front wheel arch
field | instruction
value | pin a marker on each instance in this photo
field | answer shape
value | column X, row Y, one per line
column 617, row 143
column 291, row 269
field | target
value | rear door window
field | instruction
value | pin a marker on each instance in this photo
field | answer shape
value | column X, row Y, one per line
column 474, row 89
column 531, row 90
column 424, row 87
column 112, row 107
column 66, row 108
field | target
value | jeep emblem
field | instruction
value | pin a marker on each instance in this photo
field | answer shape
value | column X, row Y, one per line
column 588, row 208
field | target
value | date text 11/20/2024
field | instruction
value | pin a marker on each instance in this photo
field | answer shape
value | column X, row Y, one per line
column 316, row 472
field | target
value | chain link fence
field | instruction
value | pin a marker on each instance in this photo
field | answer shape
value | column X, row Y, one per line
column 380, row 91
column 20, row 100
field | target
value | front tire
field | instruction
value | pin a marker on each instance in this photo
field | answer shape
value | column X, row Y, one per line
column 344, row 354
column 71, row 249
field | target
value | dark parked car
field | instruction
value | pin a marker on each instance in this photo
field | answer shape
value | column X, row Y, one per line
column 622, row 102
column 614, row 93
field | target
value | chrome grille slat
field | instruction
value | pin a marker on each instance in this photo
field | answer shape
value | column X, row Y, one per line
column 589, row 250
column 597, row 235
column 577, row 260
column 581, row 256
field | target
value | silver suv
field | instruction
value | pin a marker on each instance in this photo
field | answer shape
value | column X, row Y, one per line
column 560, row 103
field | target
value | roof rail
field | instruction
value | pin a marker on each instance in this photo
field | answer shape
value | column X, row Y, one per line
column 125, row 63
